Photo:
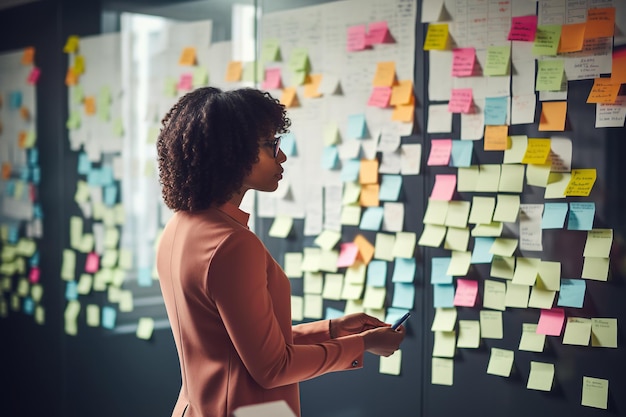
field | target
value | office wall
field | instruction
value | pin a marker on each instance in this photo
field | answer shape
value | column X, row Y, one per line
column 99, row 373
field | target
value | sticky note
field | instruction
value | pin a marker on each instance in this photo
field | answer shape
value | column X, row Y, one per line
column 356, row 40
column 444, row 187
column 595, row 392
column 549, row 74
column 460, row 100
column 402, row 93
column 598, row 243
column 496, row 138
column 270, row 50
column 496, row 110
column 442, row 370
column 531, row 341
column 404, row 270
column 551, row 321
column 289, row 98
column 581, row 182
column 357, row 127
column 572, row 37
column 281, row 227
column 469, row 334
column 380, row 97
column 385, row 74
column 498, row 60
column 466, row 292
column 443, row 295
column 71, row 44
column 444, row 320
column 311, row 87
column 523, row 28
column 604, row 332
column 600, row 23
column 500, row 362
column 604, row 90
column 463, row 60
column 461, row 153
column 440, row 150
column 366, row 249
column 299, row 59
column 436, row 37
column 444, row 344
column 546, row 40
column 554, row 215
column 391, row 365
column 376, row 272
column 541, row 376
column 553, row 116
column 378, row 32
column 372, row 218
column 187, row 56
column 491, row 324
column 272, row 78
column 577, row 331
column 145, row 327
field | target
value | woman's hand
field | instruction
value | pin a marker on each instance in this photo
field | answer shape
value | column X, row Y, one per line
column 353, row 324
column 383, row 341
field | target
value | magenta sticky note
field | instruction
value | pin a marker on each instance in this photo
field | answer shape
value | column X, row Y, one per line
column 185, row 82
column 347, row 254
column 34, row 274
column 33, row 76
column 378, row 33
column 272, row 79
column 92, row 263
column 444, row 187
column 440, row 150
column 551, row 322
column 380, row 97
column 460, row 100
column 523, row 28
column 356, row 38
column 463, row 60
column 466, row 292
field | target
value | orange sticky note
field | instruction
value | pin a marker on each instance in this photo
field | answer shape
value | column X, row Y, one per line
column 403, row 113
column 21, row 139
column 368, row 173
column 402, row 93
column 90, row 105
column 618, row 72
column 604, row 90
column 188, row 56
column 234, row 71
column 289, row 98
column 70, row 77
column 311, row 85
column 572, row 37
column 369, row 195
column 24, row 113
column 28, row 57
column 6, row 170
column 385, row 74
column 600, row 23
column 366, row 249
column 553, row 116
column 496, row 138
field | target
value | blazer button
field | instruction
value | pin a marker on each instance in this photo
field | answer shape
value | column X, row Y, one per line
column 355, row 364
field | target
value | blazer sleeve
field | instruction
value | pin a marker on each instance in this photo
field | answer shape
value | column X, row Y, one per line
column 313, row 332
column 237, row 282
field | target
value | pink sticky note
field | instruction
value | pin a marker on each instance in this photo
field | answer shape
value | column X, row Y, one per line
column 272, row 79
column 33, row 76
column 185, row 82
column 463, row 60
column 34, row 274
column 378, row 33
column 347, row 254
column 356, row 38
column 439, row 152
column 466, row 292
column 92, row 263
column 380, row 97
column 523, row 28
column 551, row 322
column 460, row 100
column 444, row 187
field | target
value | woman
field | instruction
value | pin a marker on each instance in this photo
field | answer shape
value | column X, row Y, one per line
column 227, row 299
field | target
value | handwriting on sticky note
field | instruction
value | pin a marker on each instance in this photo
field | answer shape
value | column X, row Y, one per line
column 547, row 40
column 439, row 152
column 549, row 75
column 466, row 292
column 498, row 60
column 496, row 138
column 537, row 151
column 356, row 38
column 460, row 100
column 604, row 90
column 436, row 37
column 600, row 22
column 523, row 28
column 581, row 182
column 463, row 60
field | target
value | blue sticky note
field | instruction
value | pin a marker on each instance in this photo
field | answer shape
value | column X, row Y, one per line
column 581, row 216
column 33, row 156
column 28, row 306
column 350, row 170
column 439, row 269
column 25, row 173
column 330, row 157
column 496, row 109
column 443, row 295
column 37, row 211
column 572, row 293
column 84, row 164
column 144, row 277
column 15, row 100
column 36, row 175
column 461, row 153
column 110, row 195
column 390, row 188
column 333, row 313
column 377, row 273
column 34, row 260
column 394, row 314
column 553, row 215
column 108, row 317
column 480, row 254
column 288, row 144
column 71, row 291
column 372, row 218
column 356, row 126
column 14, row 234
column 404, row 270
column 9, row 188
column 403, row 295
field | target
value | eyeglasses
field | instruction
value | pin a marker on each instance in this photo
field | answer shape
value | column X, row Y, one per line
column 274, row 144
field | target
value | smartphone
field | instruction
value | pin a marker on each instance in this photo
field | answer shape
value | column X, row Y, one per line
column 400, row 321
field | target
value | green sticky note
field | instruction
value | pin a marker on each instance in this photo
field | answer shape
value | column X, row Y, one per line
column 200, row 77
column 118, row 127
column 74, row 120
column 498, row 59
column 547, row 40
column 250, row 73
column 270, row 51
column 549, row 75
column 299, row 60
column 77, row 94
column 298, row 77
column 169, row 87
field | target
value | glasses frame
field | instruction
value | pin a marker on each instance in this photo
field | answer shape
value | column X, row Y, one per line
column 275, row 144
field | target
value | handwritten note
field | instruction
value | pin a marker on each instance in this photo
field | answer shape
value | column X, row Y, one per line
column 496, row 138
column 600, row 23
column 356, row 38
column 537, row 151
column 549, row 75
column 547, row 40
column 466, row 292
column 604, row 90
column 581, row 182
column 436, row 37
column 463, row 60
column 595, row 392
column 498, row 60
column 460, row 100
column 523, row 28
column 440, row 150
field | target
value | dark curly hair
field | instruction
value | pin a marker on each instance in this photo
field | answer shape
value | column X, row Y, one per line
column 209, row 141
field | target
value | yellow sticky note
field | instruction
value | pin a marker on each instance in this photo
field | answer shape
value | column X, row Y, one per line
column 281, row 226
column 577, row 331
column 93, row 315
column 403, row 113
column 392, row 364
column 432, row 235
column 187, row 56
column 500, row 362
column 541, row 376
column 71, row 45
column 385, row 74
column 79, row 64
column 595, row 392
column 553, row 116
column 469, row 334
column 494, row 295
column 145, row 327
column 444, row 344
column 383, row 247
column 293, row 264
column 581, row 182
column 599, row 242
column 537, row 151
column 491, row 324
column 531, row 341
column 504, row 246
column 442, row 371
column 234, row 71
column 436, row 37
column 595, row 268
column 604, row 332
column 445, row 319
column 496, row 138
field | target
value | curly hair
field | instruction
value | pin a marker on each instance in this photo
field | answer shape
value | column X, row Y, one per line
column 209, row 141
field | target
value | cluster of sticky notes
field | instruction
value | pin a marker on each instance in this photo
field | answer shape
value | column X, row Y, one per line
column 387, row 91
column 361, row 37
